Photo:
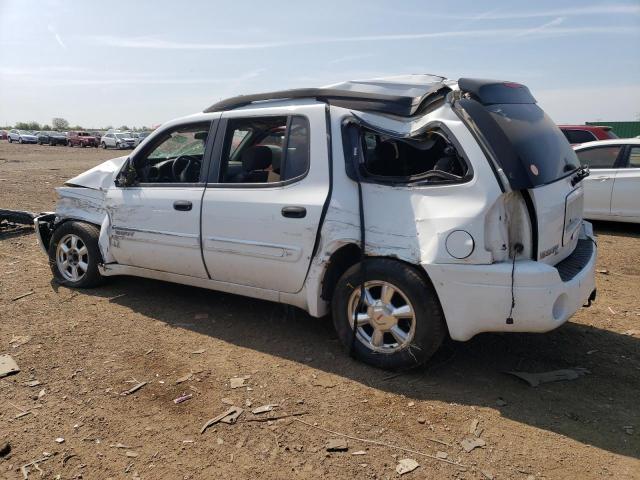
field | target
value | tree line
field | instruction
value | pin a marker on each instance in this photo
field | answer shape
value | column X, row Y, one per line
column 61, row 124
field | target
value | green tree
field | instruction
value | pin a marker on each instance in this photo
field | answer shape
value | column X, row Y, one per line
column 124, row 127
column 46, row 127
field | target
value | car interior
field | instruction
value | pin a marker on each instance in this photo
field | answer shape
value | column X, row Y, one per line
column 430, row 156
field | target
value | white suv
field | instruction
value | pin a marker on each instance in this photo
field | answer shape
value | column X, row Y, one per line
column 410, row 208
column 117, row 140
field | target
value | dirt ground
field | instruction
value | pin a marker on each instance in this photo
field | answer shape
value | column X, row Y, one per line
column 84, row 348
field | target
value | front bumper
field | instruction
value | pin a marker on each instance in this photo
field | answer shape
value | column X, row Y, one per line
column 477, row 298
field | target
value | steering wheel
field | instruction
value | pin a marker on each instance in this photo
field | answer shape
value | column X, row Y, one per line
column 180, row 167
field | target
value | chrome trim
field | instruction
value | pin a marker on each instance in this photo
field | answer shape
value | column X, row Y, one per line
column 287, row 253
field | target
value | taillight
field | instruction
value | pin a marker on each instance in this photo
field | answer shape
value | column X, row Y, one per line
column 508, row 230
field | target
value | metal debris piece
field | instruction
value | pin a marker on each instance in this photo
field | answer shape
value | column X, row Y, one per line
column 229, row 416
column 134, row 388
column 237, row 382
column 337, row 445
column 264, row 408
column 22, row 296
column 406, row 465
column 22, row 414
column 535, row 379
column 148, row 351
column 8, row 366
column 468, row 444
column 183, row 398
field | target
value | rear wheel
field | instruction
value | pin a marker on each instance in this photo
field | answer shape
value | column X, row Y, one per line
column 399, row 323
column 74, row 255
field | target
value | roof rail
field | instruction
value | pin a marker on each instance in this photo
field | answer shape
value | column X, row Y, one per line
column 401, row 105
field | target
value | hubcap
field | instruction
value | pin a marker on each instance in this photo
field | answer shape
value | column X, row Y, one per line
column 72, row 257
column 386, row 320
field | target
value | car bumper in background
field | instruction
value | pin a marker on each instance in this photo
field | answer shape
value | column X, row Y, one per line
column 477, row 298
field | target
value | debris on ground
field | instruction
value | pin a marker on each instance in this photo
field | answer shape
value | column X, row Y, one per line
column 406, row 465
column 237, row 382
column 184, row 378
column 198, row 352
column 25, row 468
column 19, row 340
column 359, row 452
column 120, row 445
column 469, row 444
column 8, row 366
column 535, row 379
column 422, row 420
column 131, row 454
column 22, row 296
column 264, row 408
column 5, row 449
column 612, row 311
column 134, row 388
column 603, row 271
column 41, row 393
column 229, row 416
column 32, row 383
column 440, row 454
column 183, row 398
column 228, row 401
column 59, row 440
column 473, row 427
column 277, row 417
column 337, row 445
column 488, row 475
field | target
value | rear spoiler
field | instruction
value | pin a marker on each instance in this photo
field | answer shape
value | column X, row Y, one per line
column 489, row 92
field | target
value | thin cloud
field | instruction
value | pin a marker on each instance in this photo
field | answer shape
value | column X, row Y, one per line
column 544, row 26
column 600, row 9
column 546, row 30
column 52, row 30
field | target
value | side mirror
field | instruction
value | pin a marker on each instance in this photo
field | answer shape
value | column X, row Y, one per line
column 127, row 176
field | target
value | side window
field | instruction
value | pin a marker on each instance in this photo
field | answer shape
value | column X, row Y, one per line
column 265, row 150
column 634, row 157
column 175, row 156
column 602, row 157
column 579, row 136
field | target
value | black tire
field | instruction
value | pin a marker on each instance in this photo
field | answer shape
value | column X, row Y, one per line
column 430, row 328
column 20, row 140
column 9, row 139
column 104, row 145
column 89, row 235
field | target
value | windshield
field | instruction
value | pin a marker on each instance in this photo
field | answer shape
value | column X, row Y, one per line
column 120, row 135
column 529, row 147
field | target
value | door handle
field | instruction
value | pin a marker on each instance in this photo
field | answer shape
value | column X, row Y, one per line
column 182, row 205
column 294, row 212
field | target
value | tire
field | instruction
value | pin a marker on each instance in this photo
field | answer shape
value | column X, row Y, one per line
column 10, row 141
column 20, row 140
column 86, row 235
column 422, row 333
column 104, row 145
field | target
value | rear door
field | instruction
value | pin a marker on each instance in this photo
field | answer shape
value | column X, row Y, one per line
column 603, row 162
column 263, row 205
column 626, row 188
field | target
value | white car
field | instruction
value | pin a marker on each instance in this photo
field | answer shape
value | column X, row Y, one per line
column 613, row 187
column 412, row 208
column 117, row 140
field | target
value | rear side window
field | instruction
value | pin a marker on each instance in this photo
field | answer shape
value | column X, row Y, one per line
column 634, row 157
column 601, row 157
column 579, row 136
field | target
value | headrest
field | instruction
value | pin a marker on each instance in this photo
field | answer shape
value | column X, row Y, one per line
column 385, row 152
column 260, row 157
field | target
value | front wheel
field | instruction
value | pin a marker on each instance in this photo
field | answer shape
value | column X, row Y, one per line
column 74, row 255
column 104, row 145
column 399, row 322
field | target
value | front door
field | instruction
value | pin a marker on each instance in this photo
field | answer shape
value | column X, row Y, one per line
column 626, row 188
column 598, row 186
column 156, row 223
column 263, row 205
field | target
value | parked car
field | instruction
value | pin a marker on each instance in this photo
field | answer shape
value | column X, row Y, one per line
column 4, row 135
column 117, row 140
column 81, row 139
column 139, row 137
column 612, row 190
column 577, row 134
column 97, row 135
column 411, row 208
column 22, row 136
column 51, row 138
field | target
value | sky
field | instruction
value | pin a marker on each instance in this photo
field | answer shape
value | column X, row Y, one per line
column 145, row 62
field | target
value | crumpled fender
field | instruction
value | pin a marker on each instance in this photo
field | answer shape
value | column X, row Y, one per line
column 100, row 177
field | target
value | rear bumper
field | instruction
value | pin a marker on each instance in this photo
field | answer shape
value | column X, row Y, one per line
column 477, row 298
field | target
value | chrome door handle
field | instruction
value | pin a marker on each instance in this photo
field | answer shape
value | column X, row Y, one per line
column 182, row 205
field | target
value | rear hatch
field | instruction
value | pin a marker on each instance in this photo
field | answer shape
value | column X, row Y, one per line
column 530, row 153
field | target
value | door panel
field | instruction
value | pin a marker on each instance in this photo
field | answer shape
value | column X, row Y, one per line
column 598, row 188
column 249, row 235
column 626, row 188
column 148, row 231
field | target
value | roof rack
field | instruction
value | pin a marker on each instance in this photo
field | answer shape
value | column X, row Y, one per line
column 405, row 102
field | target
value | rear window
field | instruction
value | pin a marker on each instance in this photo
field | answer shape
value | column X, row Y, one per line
column 529, row 147
column 600, row 157
column 579, row 136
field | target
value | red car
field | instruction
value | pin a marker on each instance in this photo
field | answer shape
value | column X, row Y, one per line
column 81, row 139
column 587, row 133
column 3, row 134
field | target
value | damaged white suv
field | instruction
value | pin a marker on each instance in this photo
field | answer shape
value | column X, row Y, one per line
column 412, row 208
